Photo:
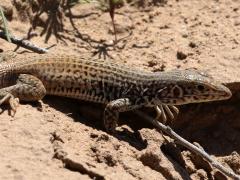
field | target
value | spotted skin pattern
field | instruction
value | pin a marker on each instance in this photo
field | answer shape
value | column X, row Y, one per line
column 119, row 87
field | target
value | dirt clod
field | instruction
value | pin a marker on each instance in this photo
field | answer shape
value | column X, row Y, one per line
column 181, row 55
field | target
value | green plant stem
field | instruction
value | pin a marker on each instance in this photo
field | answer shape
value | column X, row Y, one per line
column 5, row 27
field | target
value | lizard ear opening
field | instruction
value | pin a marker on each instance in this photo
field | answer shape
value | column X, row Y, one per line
column 200, row 87
column 177, row 91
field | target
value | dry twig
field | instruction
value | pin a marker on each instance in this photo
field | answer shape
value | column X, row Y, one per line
column 5, row 27
column 188, row 145
column 23, row 43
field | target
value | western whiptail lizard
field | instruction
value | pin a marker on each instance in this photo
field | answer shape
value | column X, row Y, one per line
column 121, row 88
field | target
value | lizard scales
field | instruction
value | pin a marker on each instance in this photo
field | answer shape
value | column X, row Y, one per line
column 120, row 87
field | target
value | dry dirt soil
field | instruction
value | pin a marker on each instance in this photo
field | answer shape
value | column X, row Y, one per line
column 59, row 138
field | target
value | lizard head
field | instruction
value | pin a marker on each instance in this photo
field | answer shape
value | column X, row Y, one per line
column 191, row 86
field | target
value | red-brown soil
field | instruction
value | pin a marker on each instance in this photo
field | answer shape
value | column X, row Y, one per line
column 60, row 138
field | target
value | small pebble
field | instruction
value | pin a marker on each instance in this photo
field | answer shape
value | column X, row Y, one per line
column 237, row 22
column 192, row 45
column 152, row 63
column 181, row 55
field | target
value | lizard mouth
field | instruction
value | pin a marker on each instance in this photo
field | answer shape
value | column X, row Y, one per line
column 218, row 94
column 209, row 97
column 227, row 95
column 187, row 99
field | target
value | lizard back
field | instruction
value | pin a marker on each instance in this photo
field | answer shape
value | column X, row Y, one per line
column 101, row 81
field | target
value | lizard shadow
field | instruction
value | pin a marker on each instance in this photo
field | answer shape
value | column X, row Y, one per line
column 213, row 138
column 215, row 126
column 90, row 114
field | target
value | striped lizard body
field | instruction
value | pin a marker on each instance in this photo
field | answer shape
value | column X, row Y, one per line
column 119, row 87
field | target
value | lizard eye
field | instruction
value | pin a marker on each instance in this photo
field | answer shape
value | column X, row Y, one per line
column 200, row 87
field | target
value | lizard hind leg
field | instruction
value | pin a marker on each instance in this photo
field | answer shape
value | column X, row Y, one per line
column 27, row 88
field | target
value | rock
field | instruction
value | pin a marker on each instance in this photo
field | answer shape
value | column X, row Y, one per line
column 181, row 55
column 192, row 45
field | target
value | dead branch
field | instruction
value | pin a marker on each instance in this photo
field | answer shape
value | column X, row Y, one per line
column 188, row 145
column 23, row 43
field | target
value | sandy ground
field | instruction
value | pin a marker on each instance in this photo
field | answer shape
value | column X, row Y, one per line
column 59, row 138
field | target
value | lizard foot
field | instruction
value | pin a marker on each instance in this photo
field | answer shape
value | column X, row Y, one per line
column 166, row 111
column 13, row 102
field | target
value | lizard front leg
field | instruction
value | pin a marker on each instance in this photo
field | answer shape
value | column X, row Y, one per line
column 111, row 112
column 27, row 88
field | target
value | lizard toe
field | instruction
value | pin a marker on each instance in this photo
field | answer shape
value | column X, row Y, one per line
column 14, row 103
column 11, row 100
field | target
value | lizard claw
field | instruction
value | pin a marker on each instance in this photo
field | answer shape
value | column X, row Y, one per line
column 166, row 111
column 13, row 102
